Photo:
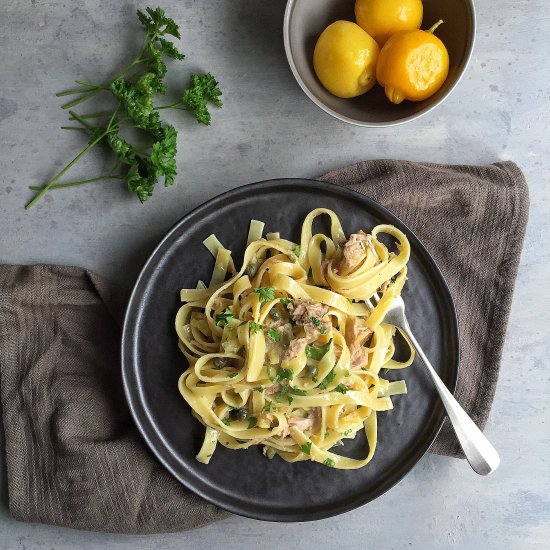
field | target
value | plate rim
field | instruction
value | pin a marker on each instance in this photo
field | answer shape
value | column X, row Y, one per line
column 135, row 399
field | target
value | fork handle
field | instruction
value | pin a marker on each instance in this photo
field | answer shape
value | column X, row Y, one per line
column 481, row 455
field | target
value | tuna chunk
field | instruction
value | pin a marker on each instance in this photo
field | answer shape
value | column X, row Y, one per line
column 295, row 348
column 355, row 332
column 273, row 389
column 354, row 251
column 303, row 424
column 359, row 356
column 309, row 315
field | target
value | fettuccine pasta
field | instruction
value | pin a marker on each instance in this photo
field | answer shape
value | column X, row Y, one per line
column 285, row 353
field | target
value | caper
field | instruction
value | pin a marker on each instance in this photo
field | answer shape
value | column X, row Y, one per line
column 275, row 314
column 312, row 371
column 221, row 362
column 240, row 414
column 251, row 270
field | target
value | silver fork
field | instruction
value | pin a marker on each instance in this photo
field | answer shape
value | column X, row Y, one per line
column 481, row 455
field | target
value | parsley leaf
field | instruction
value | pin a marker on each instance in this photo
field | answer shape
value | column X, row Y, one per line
column 233, row 374
column 328, row 379
column 169, row 50
column 306, row 448
column 274, row 334
column 226, row 422
column 283, row 393
column 258, row 388
column 329, row 462
column 318, row 353
column 283, row 374
column 266, row 294
column 286, row 392
column 268, row 407
column 223, row 317
column 341, row 388
column 286, row 301
column 254, row 327
column 318, row 324
column 347, row 432
column 156, row 22
column 297, row 250
column 202, row 90
column 252, row 421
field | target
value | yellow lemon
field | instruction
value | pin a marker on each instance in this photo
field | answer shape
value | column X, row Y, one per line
column 345, row 59
column 382, row 18
column 413, row 65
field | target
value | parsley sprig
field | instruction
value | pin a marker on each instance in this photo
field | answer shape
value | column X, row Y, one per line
column 317, row 353
column 274, row 334
column 222, row 318
column 133, row 90
column 317, row 323
column 266, row 294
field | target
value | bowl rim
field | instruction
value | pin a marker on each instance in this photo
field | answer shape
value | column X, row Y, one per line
column 286, row 38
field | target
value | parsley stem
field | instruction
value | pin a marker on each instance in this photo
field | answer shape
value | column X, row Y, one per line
column 56, row 178
column 75, row 116
column 75, row 91
column 169, row 106
column 79, row 128
column 81, row 182
column 99, row 114
column 84, row 83
column 92, row 92
column 82, row 98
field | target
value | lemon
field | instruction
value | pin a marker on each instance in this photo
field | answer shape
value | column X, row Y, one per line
column 345, row 59
column 382, row 18
column 412, row 65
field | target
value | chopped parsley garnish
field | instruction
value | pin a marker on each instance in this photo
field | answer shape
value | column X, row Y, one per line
column 317, row 323
column 283, row 374
column 286, row 301
column 328, row 379
column 283, row 393
column 318, row 353
column 224, row 317
column 297, row 250
column 347, row 432
column 252, row 421
column 233, row 374
column 306, row 448
column 274, row 334
column 346, row 372
column 266, row 294
column 393, row 279
column 258, row 388
column 226, row 422
column 286, row 392
column 341, row 388
column 254, row 327
column 268, row 407
column 329, row 462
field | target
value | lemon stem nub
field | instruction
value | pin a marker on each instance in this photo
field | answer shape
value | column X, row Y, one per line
column 433, row 27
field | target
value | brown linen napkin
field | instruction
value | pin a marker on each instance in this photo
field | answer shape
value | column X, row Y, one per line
column 74, row 457
column 472, row 219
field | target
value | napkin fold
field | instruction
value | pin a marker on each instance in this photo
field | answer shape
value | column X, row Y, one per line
column 74, row 457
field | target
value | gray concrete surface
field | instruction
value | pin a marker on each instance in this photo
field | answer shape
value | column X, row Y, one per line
column 268, row 128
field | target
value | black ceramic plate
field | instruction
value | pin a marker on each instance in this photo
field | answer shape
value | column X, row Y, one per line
column 244, row 482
